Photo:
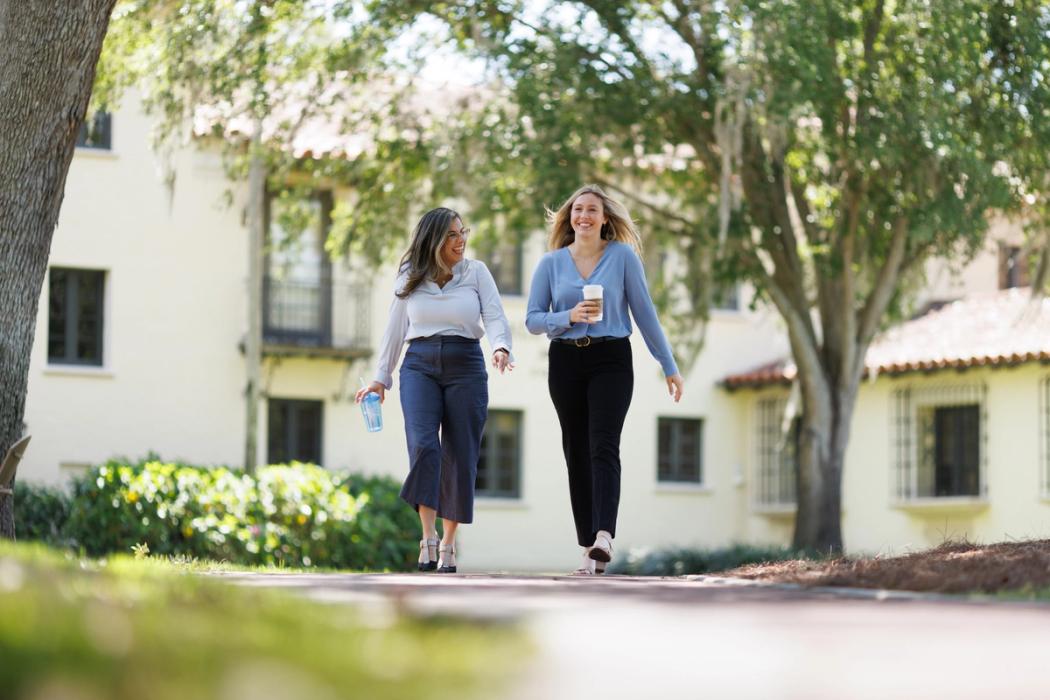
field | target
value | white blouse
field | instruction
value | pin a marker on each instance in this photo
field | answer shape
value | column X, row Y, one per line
column 466, row 301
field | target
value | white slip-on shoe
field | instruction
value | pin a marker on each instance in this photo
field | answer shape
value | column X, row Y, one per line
column 601, row 550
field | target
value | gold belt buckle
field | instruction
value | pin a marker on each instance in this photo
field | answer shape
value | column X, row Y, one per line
column 580, row 344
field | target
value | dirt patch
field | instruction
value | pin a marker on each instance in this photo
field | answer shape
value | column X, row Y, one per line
column 953, row 567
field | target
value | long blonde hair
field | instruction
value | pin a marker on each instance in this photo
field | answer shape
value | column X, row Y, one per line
column 423, row 259
column 618, row 225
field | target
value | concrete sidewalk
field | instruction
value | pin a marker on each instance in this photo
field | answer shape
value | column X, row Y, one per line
column 700, row 637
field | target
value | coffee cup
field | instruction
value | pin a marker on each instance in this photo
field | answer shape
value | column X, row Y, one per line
column 593, row 292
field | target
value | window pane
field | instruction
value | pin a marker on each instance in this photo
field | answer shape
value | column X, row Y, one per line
column 89, row 317
column 957, row 450
column 96, row 132
column 678, row 453
column 294, row 431
column 75, row 316
column 57, row 311
column 499, row 464
column 504, row 260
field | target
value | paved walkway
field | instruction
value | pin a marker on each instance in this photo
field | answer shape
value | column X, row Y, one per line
column 699, row 637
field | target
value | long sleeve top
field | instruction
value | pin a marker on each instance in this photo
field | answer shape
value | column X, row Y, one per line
column 557, row 287
column 460, row 308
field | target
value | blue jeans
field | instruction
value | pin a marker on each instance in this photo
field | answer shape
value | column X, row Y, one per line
column 444, row 398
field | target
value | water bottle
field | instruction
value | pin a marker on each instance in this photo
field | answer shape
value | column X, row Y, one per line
column 372, row 409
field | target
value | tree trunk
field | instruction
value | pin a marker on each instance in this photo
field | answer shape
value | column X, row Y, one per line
column 47, row 68
column 822, row 451
column 253, row 343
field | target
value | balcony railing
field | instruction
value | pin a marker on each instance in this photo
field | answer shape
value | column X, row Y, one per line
column 316, row 317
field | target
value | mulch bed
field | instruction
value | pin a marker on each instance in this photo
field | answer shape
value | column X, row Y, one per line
column 953, row 567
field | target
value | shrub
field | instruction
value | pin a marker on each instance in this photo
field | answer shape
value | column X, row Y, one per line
column 387, row 529
column 681, row 561
column 295, row 515
column 40, row 513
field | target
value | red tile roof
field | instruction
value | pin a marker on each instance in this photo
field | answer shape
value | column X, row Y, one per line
column 994, row 330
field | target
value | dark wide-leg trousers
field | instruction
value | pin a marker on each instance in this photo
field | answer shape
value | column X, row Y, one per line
column 591, row 388
column 444, row 398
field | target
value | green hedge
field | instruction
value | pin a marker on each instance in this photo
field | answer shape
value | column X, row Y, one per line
column 41, row 513
column 296, row 515
column 681, row 561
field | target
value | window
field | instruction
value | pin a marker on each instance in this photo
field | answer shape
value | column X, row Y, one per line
column 679, row 450
column 951, row 447
column 727, row 299
column 96, row 132
column 1013, row 267
column 777, row 438
column 74, row 325
column 297, row 287
column 294, row 431
column 940, row 439
column 499, row 466
column 504, row 260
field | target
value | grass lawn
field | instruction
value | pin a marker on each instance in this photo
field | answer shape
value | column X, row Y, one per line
column 123, row 629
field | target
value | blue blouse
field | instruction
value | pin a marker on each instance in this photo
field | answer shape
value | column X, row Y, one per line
column 557, row 287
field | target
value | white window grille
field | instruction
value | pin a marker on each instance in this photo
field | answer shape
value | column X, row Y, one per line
column 776, row 459
column 940, row 436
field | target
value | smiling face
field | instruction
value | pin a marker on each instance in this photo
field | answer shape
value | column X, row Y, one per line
column 587, row 216
column 455, row 244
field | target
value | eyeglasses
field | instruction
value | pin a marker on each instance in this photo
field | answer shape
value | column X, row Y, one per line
column 458, row 235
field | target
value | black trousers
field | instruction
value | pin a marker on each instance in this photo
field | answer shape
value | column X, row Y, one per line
column 591, row 388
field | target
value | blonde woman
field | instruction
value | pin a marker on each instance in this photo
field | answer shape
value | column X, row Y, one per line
column 441, row 301
column 593, row 241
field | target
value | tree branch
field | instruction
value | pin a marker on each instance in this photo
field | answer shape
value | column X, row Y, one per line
column 662, row 211
column 884, row 285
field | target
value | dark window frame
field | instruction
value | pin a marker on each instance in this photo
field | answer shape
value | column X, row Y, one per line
column 322, row 336
column 71, row 306
column 291, row 450
column 1013, row 267
column 957, row 451
column 669, row 453
column 491, row 454
column 727, row 299
column 96, row 132
column 487, row 249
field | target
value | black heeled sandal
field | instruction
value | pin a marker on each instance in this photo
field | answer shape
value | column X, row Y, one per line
column 446, row 559
column 428, row 554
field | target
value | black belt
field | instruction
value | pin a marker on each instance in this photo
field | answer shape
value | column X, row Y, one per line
column 585, row 340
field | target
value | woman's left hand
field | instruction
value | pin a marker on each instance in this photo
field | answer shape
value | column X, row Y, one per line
column 501, row 360
column 674, row 386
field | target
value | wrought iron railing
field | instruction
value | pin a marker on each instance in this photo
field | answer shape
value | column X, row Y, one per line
column 316, row 313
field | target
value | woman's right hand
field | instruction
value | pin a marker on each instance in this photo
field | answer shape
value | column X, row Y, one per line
column 374, row 386
column 584, row 312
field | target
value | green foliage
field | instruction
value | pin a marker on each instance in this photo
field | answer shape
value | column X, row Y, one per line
column 214, row 69
column 681, row 561
column 289, row 515
column 40, row 513
column 132, row 629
